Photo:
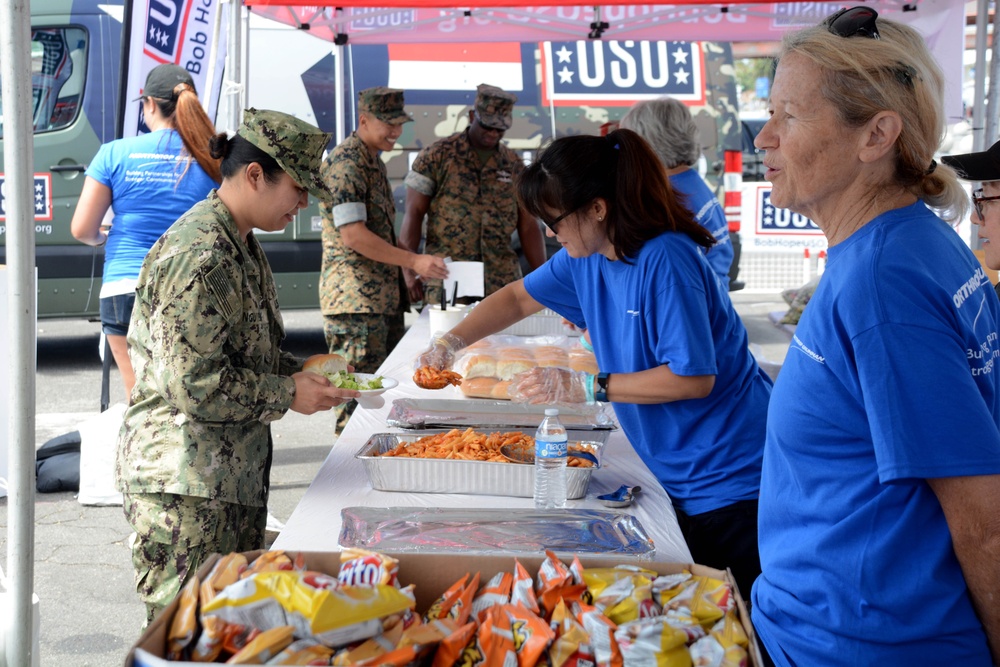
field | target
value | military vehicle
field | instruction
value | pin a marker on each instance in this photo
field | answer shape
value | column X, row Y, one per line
column 563, row 88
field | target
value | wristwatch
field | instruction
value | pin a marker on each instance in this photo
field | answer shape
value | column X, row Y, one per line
column 601, row 394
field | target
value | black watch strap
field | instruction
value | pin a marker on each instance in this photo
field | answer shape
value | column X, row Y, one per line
column 601, row 393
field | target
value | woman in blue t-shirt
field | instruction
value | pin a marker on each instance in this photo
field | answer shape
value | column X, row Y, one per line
column 672, row 351
column 879, row 536
column 148, row 181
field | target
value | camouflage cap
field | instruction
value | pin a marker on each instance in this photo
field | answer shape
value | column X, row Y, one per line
column 386, row 104
column 295, row 145
column 495, row 106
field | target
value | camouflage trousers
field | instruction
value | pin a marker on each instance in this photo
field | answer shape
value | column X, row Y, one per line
column 175, row 535
column 365, row 340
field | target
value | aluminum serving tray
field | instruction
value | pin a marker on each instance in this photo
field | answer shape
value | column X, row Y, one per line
column 464, row 412
column 394, row 473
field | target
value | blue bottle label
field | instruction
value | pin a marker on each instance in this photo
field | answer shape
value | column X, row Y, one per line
column 550, row 449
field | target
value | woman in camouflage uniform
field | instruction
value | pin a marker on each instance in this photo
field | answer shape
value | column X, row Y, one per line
column 194, row 452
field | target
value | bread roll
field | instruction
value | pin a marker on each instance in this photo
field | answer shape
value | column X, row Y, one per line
column 552, row 356
column 500, row 390
column 478, row 387
column 325, row 364
column 509, row 353
column 479, row 366
column 584, row 361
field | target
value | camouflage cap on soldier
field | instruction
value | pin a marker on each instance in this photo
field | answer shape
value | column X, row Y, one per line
column 294, row 144
column 386, row 104
column 495, row 107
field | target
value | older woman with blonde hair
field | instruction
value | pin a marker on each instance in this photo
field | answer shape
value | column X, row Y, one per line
column 879, row 531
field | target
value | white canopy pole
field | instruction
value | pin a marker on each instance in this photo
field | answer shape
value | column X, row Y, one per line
column 18, row 145
column 993, row 97
column 979, row 89
column 234, row 65
column 338, row 79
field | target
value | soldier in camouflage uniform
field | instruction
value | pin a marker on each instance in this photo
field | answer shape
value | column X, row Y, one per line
column 361, row 291
column 194, row 451
column 465, row 185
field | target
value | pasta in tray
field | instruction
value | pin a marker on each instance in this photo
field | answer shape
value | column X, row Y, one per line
column 472, row 445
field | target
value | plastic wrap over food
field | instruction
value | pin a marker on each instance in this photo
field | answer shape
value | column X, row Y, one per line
column 506, row 530
column 450, row 413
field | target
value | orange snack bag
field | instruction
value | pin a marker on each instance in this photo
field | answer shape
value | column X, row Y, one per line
column 306, row 651
column 653, row 641
column 268, row 562
column 236, row 637
column 531, row 634
column 602, row 635
column 359, row 567
column 443, row 605
column 549, row 599
column 522, row 590
column 184, row 624
column 450, row 650
column 551, row 574
column 495, row 592
column 496, row 639
column 264, row 646
column 462, row 609
column 571, row 647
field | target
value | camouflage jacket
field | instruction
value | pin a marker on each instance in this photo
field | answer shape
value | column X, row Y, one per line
column 204, row 341
column 350, row 282
column 473, row 209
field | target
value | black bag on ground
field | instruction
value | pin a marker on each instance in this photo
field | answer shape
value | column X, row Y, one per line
column 57, row 464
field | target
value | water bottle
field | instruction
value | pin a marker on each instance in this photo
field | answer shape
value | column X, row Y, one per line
column 550, row 462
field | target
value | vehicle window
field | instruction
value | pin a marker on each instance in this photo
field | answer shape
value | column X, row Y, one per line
column 753, row 167
column 58, row 70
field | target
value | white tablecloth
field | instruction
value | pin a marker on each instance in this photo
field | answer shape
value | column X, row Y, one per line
column 342, row 482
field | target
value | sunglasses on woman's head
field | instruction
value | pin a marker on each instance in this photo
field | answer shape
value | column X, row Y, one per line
column 853, row 22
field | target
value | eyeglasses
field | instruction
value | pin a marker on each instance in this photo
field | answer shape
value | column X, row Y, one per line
column 978, row 199
column 555, row 223
column 853, row 22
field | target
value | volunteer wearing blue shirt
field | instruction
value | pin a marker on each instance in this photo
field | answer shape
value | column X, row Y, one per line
column 671, row 132
column 149, row 181
column 879, row 532
column 672, row 351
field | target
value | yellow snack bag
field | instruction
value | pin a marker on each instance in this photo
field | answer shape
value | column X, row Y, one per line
column 571, row 647
column 184, row 624
column 380, row 644
column 709, row 652
column 729, row 630
column 315, row 603
column 652, row 641
column 264, row 646
column 628, row 598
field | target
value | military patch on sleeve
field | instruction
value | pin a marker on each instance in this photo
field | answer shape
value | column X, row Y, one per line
column 221, row 287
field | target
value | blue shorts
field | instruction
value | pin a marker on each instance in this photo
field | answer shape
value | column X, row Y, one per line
column 116, row 311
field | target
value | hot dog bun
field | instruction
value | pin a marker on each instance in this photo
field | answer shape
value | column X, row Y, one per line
column 478, row 387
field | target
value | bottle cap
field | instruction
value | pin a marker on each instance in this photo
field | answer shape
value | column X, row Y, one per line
column 551, row 412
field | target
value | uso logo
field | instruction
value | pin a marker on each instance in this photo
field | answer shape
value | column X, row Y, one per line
column 617, row 73
column 772, row 220
column 41, row 194
column 164, row 29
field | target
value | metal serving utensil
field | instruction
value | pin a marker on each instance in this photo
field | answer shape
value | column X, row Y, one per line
column 518, row 453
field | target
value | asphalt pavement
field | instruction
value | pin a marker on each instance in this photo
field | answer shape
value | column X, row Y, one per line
column 90, row 615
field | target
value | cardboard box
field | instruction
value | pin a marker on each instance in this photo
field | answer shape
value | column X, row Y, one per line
column 432, row 574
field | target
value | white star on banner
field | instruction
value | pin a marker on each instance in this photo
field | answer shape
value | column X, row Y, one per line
column 681, row 76
column 565, row 75
column 38, row 187
column 680, row 56
column 564, row 54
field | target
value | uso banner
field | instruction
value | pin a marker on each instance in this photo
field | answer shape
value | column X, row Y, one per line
column 178, row 32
